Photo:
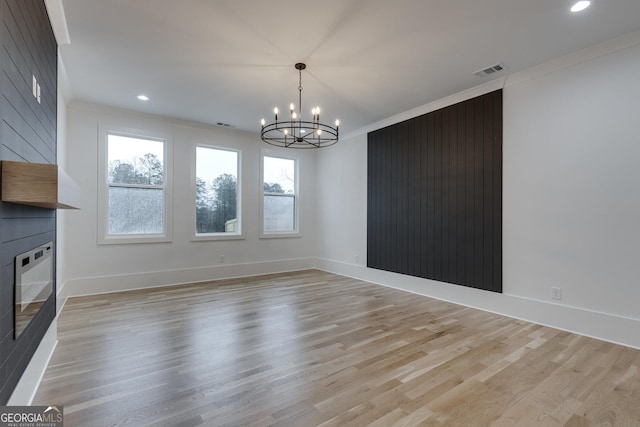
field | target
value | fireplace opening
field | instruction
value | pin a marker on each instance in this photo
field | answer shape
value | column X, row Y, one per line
column 34, row 284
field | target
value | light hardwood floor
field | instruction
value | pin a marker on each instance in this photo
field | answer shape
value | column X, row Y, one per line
column 312, row 348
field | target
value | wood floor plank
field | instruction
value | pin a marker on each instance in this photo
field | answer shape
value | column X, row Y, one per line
column 312, row 348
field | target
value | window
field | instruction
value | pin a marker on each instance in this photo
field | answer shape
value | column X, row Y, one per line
column 133, row 204
column 217, row 193
column 280, row 196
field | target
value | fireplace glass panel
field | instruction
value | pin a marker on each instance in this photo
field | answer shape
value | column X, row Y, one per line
column 34, row 284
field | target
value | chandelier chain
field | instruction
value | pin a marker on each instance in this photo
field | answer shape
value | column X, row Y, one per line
column 300, row 92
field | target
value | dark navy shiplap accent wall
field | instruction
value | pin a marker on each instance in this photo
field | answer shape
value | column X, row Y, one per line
column 27, row 134
column 434, row 195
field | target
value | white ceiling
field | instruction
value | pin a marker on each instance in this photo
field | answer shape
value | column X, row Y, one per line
column 232, row 61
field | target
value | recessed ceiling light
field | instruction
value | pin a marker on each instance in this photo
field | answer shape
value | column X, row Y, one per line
column 580, row 5
column 143, row 97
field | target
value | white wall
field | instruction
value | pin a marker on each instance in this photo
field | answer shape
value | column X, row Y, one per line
column 571, row 185
column 60, row 214
column 571, row 203
column 342, row 201
column 93, row 268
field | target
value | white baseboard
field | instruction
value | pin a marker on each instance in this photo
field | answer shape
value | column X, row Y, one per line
column 603, row 326
column 26, row 388
column 127, row 282
column 61, row 297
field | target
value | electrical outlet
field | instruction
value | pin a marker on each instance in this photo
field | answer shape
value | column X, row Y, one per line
column 221, row 259
column 556, row 293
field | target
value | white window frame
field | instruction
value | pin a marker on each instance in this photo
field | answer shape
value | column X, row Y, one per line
column 280, row 234
column 104, row 238
column 239, row 235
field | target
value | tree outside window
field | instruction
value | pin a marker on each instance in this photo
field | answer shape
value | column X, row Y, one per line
column 217, row 203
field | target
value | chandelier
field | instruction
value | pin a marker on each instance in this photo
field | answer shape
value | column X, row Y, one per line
column 298, row 133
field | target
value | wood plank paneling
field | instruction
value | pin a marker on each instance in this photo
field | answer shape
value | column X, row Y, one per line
column 28, row 134
column 434, row 206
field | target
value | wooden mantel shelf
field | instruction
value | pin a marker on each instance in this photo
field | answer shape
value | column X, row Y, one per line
column 38, row 184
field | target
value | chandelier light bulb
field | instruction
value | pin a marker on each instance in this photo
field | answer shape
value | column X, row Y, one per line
column 286, row 131
column 275, row 110
column 337, row 123
column 294, row 115
column 292, row 107
column 263, row 122
column 319, row 132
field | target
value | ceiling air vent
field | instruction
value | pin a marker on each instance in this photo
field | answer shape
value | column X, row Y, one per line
column 490, row 70
column 224, row 125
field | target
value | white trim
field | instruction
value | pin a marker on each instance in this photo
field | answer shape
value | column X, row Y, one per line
column 587, row 54
column 154, row 279
column 239, row 235
column 63, row 80
column 61, row 297
column 167, row 121
column 58, row 19
column 216, row 237
column 281, row 235
column 603, row 326
column 572, row 59
column 26, row 389
column 432, row 106
column 103, row 238
column 266, row 152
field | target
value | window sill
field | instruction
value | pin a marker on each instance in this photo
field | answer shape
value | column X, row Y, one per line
column 216, row 237
column 293, row 234
column 134, row 239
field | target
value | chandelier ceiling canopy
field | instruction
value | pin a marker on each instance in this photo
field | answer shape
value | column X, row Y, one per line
column 293, row 131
